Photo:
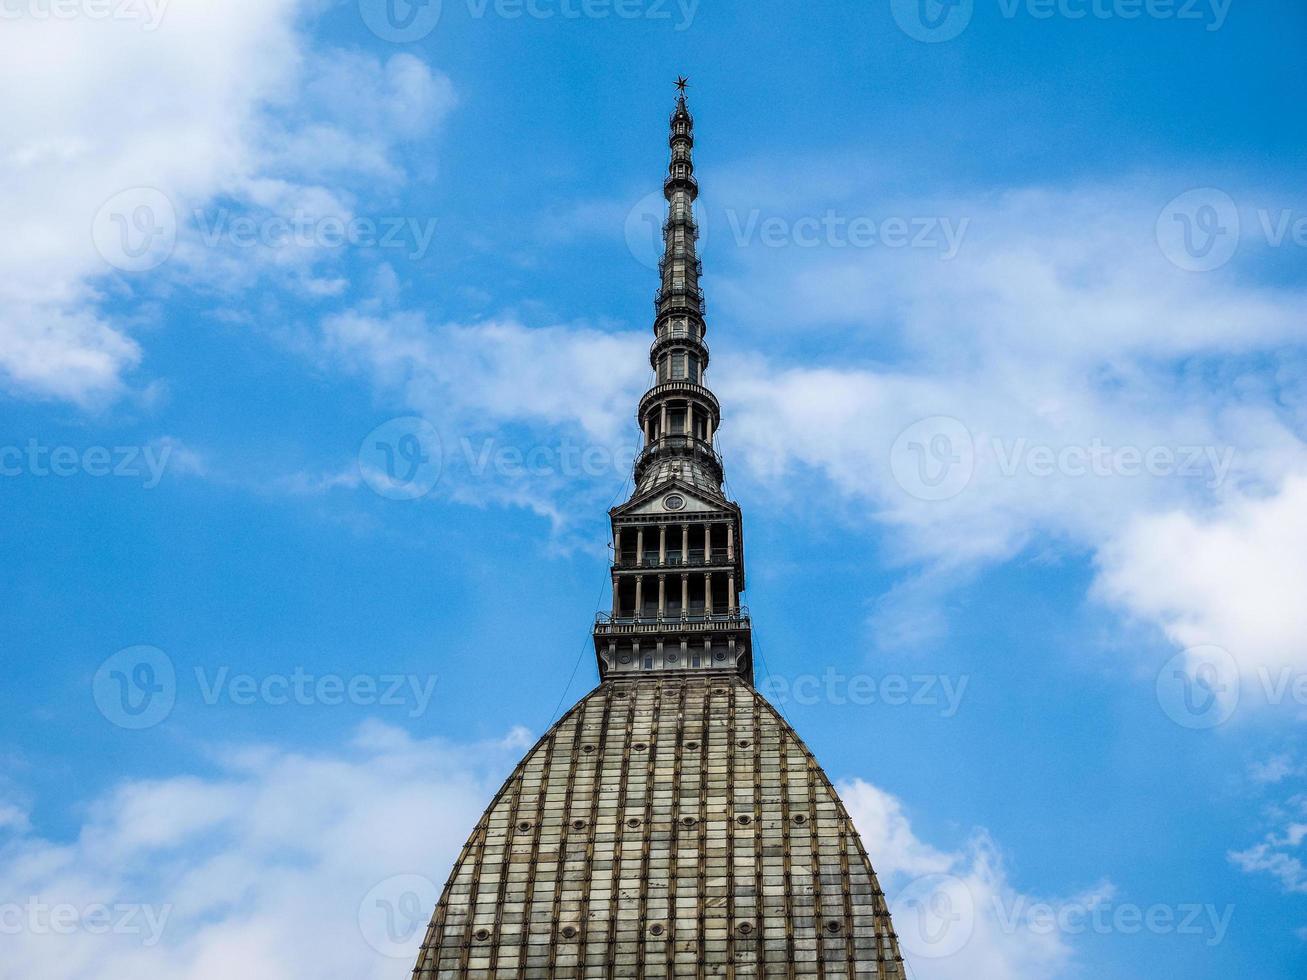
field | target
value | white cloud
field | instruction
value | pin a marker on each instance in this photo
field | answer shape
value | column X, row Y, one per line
column 225, row 99
column 284, row 863
column 1231, row 579
column 957, row 913
column 260, row 870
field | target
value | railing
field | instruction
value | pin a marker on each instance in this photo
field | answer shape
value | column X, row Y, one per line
column 679, row 220
column 678, row 335
column 687, row 179
column 720, row 558
column 608, row 623
column 678, row 446
column 689, row 388
column 683, row 254
column 691, row 298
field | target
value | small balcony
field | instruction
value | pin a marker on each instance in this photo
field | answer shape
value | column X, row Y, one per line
column 678, row 446
column 685, row 180
column 717, row 558
column 694, row 622
column 690, row 389
column 687, row 298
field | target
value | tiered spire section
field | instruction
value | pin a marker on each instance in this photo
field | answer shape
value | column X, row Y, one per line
column 678, row 555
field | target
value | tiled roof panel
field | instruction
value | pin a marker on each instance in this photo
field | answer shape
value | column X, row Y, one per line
column 670, row 827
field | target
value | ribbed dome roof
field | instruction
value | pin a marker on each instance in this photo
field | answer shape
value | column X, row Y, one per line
column 665, row 827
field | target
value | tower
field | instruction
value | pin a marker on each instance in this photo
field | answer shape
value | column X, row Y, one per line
column 671, row 824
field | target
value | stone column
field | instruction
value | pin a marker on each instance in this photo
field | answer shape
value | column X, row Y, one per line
column 685, row 544
column 730, row 542
column 707, row 593
column 730, row 593
column 617, row 544
column 662, row 544
column 662, row 431
column 685, row 594
column 662, row 596
column 617, row 608
column 639, row 546
column 639, row 596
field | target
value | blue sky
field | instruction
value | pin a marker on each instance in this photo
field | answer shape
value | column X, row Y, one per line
column 1006, row 309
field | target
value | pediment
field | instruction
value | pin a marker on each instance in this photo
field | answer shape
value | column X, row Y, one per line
column 663, row 500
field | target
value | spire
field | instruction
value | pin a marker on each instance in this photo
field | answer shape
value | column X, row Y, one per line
column 678, row 546
column 679, row 415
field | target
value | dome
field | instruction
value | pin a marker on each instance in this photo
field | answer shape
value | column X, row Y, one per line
column 665, row 827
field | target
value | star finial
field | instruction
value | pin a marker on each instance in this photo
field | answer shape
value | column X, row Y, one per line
column 682, row 83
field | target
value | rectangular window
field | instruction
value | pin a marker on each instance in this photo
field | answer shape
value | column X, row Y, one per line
column 678, row 366
column 648, row 663
column 695, row 661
